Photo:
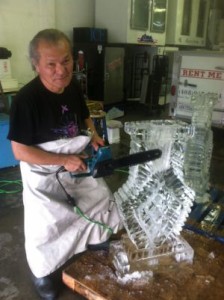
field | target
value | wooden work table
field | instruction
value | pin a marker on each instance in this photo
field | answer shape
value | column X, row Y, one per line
column 93, row 276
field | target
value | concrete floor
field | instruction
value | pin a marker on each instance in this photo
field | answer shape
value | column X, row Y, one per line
column 15, row 283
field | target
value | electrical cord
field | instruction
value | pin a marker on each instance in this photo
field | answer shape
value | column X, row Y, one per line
column 69, row 198
column 6, row 183
column 71, row 201
column 122, row 171
column 80, row 213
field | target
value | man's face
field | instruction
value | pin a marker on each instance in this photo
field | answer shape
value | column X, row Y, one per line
column 55, row 65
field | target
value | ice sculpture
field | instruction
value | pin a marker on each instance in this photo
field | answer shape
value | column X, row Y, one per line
column 156, row 199
column 199, row 148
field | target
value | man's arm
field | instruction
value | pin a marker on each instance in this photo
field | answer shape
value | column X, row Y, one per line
column 34, row 155
column 96, row 139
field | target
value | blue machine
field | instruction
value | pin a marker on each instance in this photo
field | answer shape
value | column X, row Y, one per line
column 6, row 156
column 102, row 154
column 100, row 163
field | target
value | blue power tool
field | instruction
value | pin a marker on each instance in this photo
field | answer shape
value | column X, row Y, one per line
column 101, row 163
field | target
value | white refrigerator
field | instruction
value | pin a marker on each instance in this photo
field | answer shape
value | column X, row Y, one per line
column 196, row 71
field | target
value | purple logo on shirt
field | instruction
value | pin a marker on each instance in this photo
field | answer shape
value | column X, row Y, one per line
column 69, row 127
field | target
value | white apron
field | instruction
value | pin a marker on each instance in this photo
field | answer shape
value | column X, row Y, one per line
column 54, row 232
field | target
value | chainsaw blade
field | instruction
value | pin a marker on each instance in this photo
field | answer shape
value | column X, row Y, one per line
column 107, row 167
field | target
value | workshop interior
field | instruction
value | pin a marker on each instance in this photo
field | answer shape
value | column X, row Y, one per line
column 152, row 74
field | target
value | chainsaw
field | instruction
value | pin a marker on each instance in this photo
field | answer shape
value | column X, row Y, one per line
column 100, row 163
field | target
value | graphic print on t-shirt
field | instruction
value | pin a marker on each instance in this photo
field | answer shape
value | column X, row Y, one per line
column 68, row 124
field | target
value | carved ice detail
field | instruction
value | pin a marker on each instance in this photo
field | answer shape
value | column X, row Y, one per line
column 156, row 199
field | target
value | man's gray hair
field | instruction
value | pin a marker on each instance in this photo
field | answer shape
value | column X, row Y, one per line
column 51, row 36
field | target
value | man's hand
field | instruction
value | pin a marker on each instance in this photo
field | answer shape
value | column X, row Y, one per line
column 75, row 163
column 97, row 141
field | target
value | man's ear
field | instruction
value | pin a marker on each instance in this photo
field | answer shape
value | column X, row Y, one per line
column 34, row 65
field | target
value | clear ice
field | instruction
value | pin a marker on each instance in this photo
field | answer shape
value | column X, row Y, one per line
column 157, row 197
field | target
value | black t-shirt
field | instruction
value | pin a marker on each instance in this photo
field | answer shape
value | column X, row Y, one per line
column 38, row 115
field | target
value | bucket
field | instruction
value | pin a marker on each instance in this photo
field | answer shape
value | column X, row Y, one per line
column 113, row 131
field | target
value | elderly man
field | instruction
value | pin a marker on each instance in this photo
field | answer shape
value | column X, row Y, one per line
column 46, row 122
